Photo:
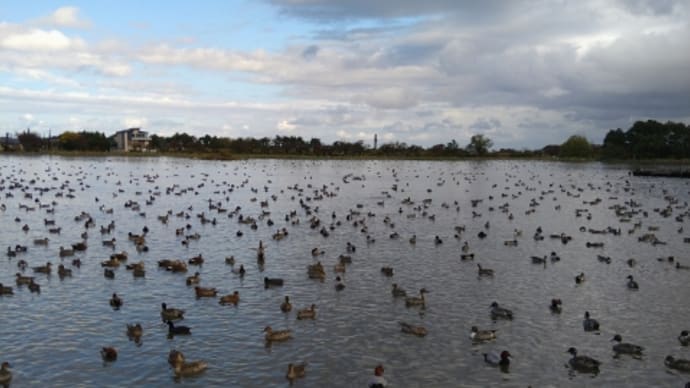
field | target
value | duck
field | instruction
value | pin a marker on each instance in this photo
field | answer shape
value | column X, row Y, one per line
column 413, row 239
column 295, row 371
column 205, row 292
column 416, row 300
column 556, row 306
column 35, row 287
column 498, row 359
column 233, row 298
column 66, row 252
column 116, row 301
column 135, row 330
column 109, row 273
column 109, row 354
column 175, row 357
column 187, row 369
column 23, row 280
column 43, row 268
column 178, row 330
column 398, row 292
column 272, row 282
column 590, row 324
column 5, row 290
column 583, row 363
column 625, row 348
column 5, row 373
column 467, row 256
column 482, row 335
column 280, row 335
column 339, row 286
column 579, row 279
column 171, row 314
column 286, row 306
column 64, row 272
column 500, row 312
column 484, row 271
column 230, row 260
column 419, row 331
column 632, row 284
column 308, row 313
column 194, row 279
column 684, row 338
column 388, row 271
column 680, row 364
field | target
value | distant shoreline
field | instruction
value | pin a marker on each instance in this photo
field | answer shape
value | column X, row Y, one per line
column 223, row 156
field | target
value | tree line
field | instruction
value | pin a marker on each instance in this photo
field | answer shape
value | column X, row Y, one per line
column 644, row 140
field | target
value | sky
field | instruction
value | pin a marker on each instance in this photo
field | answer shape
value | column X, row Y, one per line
column 523, row 73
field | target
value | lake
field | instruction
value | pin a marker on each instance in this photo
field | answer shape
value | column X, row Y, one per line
column 54, row 338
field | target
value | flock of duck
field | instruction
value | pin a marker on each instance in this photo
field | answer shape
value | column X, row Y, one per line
column 32, row 211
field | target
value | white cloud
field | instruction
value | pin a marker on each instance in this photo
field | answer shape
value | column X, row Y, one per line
column 285, row 126
column 135, row 122
column 66, row 17
column 39, row 40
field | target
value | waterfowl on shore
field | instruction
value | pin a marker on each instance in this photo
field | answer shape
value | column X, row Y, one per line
column 579, row 279
column 625, row 348
column 500, row 312
column 205, row 292
column 5, row 373
column 590, row 324
column 109, row 354
column 178, row 330
column 116, row 301
column 632, row 284
column 286, row 306
column 680, row 364
column 296, row 371
column 419, row 331
column 482, row 335
column 416, row 300
column 233, row 298
column 684, row 338
column 194, row 279
column 272, row 282
column 501, row 360
column 583, row 363
column 397, row 291
column 556, row 306
column 171, row 314
column 484, row 271
column 308, row 313
column 279, row 335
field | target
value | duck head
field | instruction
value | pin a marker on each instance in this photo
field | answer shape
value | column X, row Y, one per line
column 572, row 351
column 494, row 304
column 617, row 338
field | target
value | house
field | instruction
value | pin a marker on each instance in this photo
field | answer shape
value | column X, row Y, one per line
column 132, row 139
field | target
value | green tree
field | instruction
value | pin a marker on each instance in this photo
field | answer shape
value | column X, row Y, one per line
column 30, row 141
column 479, row 145
column 576, row 147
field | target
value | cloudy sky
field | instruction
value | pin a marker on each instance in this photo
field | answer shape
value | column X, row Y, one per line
column 523, row 73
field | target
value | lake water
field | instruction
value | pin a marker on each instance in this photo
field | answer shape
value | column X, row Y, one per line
column 54, row 338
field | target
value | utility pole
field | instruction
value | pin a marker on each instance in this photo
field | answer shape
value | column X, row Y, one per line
column 375, row 141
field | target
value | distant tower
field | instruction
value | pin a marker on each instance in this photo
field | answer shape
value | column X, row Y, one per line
column 375, row 141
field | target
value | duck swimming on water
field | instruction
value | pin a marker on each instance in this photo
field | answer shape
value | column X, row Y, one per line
column 583, row 364
column 590, row 324
column 500, row 312
column 625, row 348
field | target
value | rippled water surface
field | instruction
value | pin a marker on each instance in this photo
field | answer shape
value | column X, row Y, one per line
column 53, row 338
